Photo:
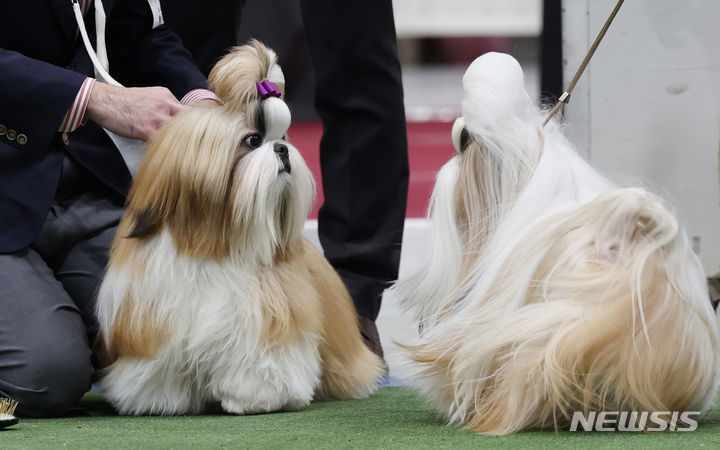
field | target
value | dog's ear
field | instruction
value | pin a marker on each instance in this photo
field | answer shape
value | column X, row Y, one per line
column 631, row 219
column 146, row 223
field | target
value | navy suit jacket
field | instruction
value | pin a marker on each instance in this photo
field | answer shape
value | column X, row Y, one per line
column 42, row 65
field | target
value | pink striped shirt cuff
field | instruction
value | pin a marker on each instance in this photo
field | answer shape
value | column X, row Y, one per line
column 76, row 114
column 199, row 94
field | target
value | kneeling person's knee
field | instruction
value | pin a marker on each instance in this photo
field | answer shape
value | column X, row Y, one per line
column 53, row 377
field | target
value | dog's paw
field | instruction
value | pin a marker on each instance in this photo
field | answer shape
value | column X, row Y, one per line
column 295, row 404
column 250, row 406
column 243, row 407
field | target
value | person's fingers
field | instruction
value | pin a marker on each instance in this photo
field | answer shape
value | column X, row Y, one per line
column 132, row 112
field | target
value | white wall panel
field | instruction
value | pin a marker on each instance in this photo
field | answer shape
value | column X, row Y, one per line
column 648, row 107
column 421, row 18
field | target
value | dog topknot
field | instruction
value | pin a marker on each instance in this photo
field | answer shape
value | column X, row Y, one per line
column 235, row 78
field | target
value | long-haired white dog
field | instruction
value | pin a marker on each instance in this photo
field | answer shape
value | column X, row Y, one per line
column 212, row 294
column 547, row 289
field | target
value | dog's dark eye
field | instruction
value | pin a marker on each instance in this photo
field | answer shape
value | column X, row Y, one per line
column 253, row 141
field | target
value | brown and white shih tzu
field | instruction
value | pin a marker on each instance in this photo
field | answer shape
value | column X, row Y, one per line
column 548, row 289
column 212, row 294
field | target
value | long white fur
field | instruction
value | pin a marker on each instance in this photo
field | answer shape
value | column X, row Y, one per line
column 277, row 116
column 259, row 192
column 536, row 183
column 228, row 321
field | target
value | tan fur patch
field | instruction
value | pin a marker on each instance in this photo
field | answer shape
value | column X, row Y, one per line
column 132, row 336
column 290, row 302
column 350, row 369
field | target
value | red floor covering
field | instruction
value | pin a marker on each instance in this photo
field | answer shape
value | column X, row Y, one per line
column 429, row 147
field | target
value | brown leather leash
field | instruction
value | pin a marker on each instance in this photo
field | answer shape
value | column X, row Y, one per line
column 565, row 97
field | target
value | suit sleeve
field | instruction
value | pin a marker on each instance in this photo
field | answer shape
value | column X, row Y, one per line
column 35, row 96
column 144, row 56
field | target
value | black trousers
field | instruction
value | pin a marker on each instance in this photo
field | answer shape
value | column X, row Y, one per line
column 363, row 152
column 551, row 76
column 47, row 297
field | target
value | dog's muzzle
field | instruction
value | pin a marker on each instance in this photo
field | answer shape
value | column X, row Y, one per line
column 282, row 151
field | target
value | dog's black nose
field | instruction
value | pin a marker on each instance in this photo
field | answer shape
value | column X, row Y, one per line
column 281, row 149
column 282, row 152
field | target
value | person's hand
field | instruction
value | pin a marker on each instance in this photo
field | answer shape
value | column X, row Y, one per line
column 131, row 112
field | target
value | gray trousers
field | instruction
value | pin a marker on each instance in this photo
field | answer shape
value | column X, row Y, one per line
column 47, row 298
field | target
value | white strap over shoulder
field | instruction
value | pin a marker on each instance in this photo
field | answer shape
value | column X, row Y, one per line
column 157, row 13
column 100, row 39
column 132, row 150
column 98, row 59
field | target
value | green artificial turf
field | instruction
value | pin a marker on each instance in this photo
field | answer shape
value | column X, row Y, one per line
column 392, row 418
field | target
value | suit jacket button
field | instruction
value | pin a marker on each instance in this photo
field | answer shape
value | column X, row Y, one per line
column 3, row 130
column 22, row 139
column 65, row 139
column 11, row 135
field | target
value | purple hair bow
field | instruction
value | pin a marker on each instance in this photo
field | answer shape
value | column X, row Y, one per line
column 267, row 88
